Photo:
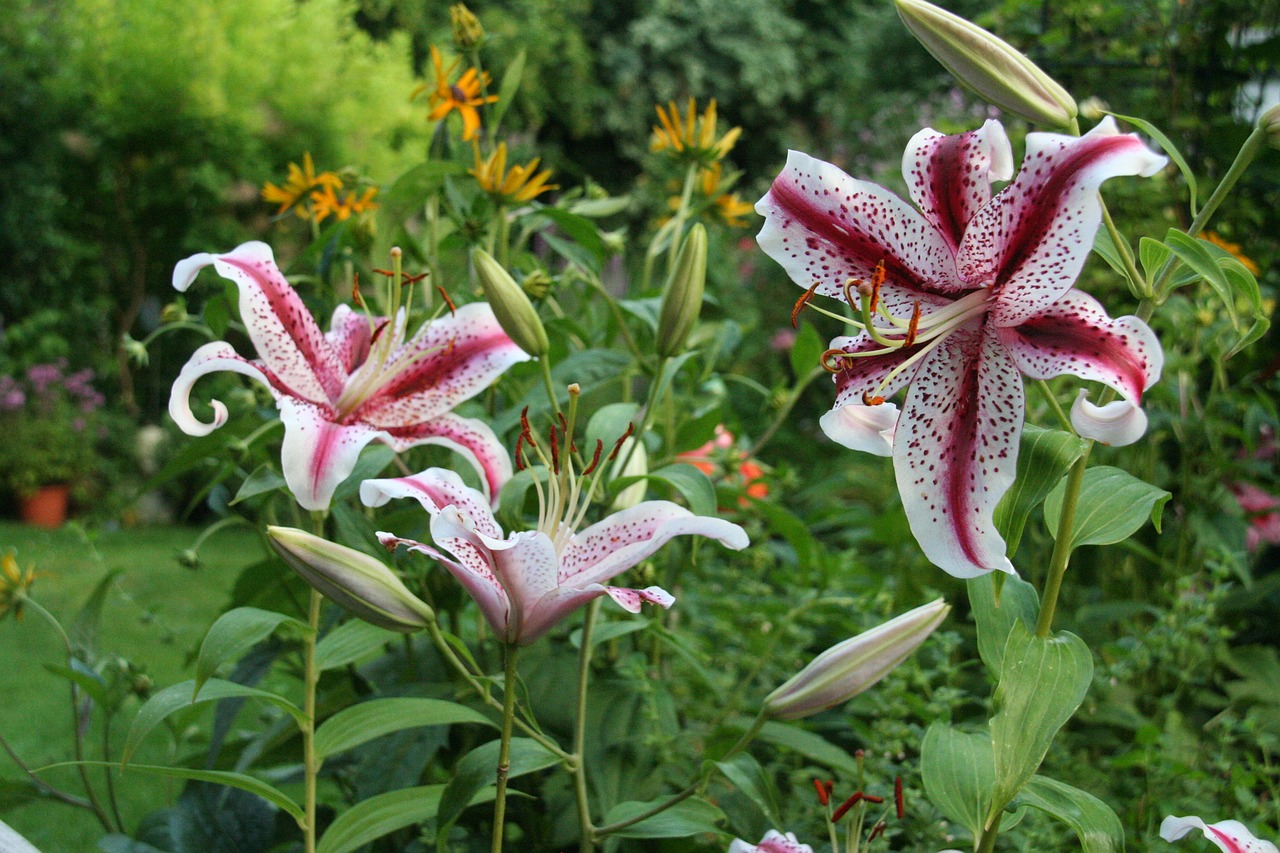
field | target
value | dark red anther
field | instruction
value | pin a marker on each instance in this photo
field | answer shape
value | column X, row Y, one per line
column 877, row 279
column 824, row 796
column 555, row 450
column 405, row 278
column 377, row 333
column 872, row 798
column 387, row 273
column 877, row 830
column 869, row 400
column 845, row 806
column 519, row 454
column 618, row 444
column 803, row 301
column 525, row 429
column 897, row 797
column 915, row 324
column 595, row 458
column 355, row 291
column 453, row 309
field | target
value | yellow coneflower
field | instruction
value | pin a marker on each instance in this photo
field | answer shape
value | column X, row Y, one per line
column 14, row 583
column 464, row 95
column 301, row 183
column 1233, row 248
column 520, row 184
column 325, row 201
column 730, row 207
column 692, row 136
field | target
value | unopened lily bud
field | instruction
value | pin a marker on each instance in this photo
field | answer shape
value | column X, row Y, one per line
column 358, row 583
column 988, row 65
column 467, row 32
column 1270, row 123
column 846, row 669
column 636, row 465
column 682, row 303
column 516, row 314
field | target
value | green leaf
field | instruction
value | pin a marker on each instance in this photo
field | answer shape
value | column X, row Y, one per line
column 84, row 631
column 373, row 460
column 349, row 642
column 217, row 777
column 749, row 777
column 479, row 767
column 375, row 817
column 1154, row 255
column 264, row 479
column 1104, row 246
column 1169, row 148
column 998, row 600
column 691, row 483
column 809, row 745
column 1042, row 682
column 362, row 723
column 1044, row 456
column 1196, row 255
column 83, row 677
column 609, row 424
column 958, row 770
column 507, row 91
column 581, row 230
column 688, row 817
column 806, row 351
column 1113, row 505
column 598, row 208
column 1094, row 822
column 179, row 696
column 609, row 631
column 235, row 632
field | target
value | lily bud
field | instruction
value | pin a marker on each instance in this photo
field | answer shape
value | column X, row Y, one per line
column 358, row 583
column 1270, row 123
column 516, row 314
column 467, row 31
column 988, row 65
column 637, row 465
column 682, row 303
column 846, row 669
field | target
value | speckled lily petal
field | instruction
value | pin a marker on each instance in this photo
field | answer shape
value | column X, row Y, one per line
column 318, row 454
column 472, row 438
column 773, row 842
column 956, row 448
column 349, row 335
column 823, row 226
column 547, row 611
column 434, row 489
column 610, row 547
column 949, row 177
column 283, row 331
column 1074, row 335
column 1032, row 239
column 1230, row 836
column 469, row 566
column 214, row 357
column 864, row 375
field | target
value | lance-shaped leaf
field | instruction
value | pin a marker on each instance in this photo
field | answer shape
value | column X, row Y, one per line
column 1113, row 504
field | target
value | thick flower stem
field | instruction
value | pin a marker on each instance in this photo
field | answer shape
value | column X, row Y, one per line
column 549, row 383
column 504, row 749
column 309, row 763
column 987, row 843
column 1062, row 545
column 587, row 833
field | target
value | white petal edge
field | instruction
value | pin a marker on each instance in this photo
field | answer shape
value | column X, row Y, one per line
column 1172, row 828
column 213, row 357
column 1117, row 423
column 866, row 428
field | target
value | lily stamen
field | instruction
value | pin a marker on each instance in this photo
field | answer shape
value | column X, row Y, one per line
column 803, row 301
column 914, row 326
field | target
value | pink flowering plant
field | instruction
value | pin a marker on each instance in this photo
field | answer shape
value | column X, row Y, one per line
column 570, row 541
column 51, row 417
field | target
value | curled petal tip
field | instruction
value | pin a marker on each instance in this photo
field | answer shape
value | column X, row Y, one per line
column 186, row 270
column 1117, row 423
column 866, row 428
column 1230, row 836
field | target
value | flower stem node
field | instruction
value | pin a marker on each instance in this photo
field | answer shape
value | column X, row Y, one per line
column 516, row 314
column 848, row 668
column 682, row 302
column 358, row 583
column 990, row 66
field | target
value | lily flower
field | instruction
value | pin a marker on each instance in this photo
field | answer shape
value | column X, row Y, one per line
column 773, row 842
column 361, row 381
column 526, row 582
column 959, row 299
column 1230, row 836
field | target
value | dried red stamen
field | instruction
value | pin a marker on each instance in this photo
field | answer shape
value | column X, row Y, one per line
column 595, row 458
column 405, row 278
column 387, row 273
column 355, row 291
column 915, row 324
column 824, row 796
column 877, row 830
column 872, row 798
column 897, row 797
column 519, row 454
column 845, row 806
column 377, row 333
column 832, row 360
column 453, row 309
column 618, row 444
column 803, row 301
column 869, row 400
column 525, row 429
column 555, row 450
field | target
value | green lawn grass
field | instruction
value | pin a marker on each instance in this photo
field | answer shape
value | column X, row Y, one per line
column 155, row 614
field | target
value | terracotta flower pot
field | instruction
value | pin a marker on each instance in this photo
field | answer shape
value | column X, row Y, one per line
column 47, row 507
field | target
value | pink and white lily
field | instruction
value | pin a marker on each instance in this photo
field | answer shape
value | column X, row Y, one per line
column 773, row 842
column 959, row 298
column 360, row 381
column 528, row 581
column 1230, row 836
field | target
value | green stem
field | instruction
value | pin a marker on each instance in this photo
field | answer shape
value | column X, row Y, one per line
column 1141, row 287
column 781, row 417
column 676, row 799
column 1062, row 546
column 504, row 236
column 1063, row 420
column 618, row 317
column 547, row 381
column 504, row 749
column 309, row 680
column 987, row 843
column 646, row 414
column 587, row 842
